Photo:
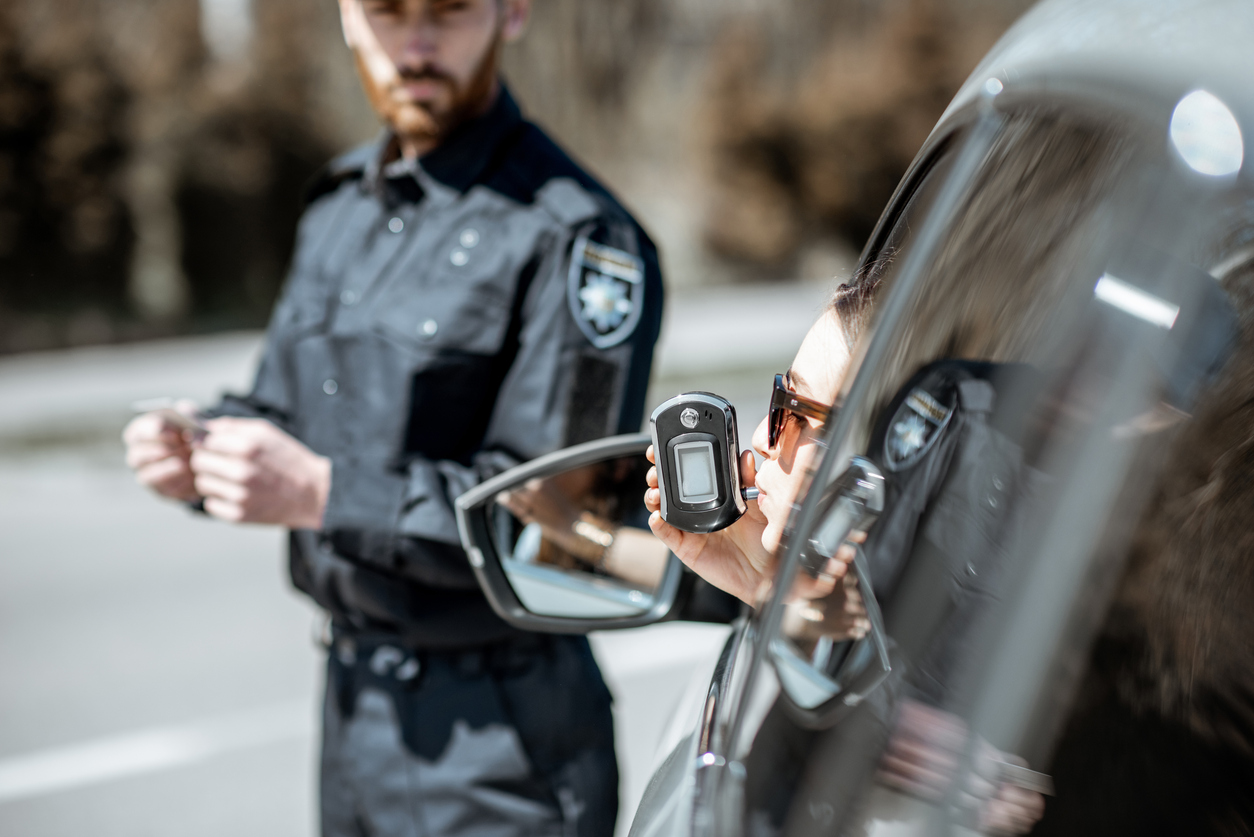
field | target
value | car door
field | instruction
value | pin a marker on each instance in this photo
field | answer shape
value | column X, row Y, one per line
column 1041, row 443
column 1030, row 443
column 562, row 544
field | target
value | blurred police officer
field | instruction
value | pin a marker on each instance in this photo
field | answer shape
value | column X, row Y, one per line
column 462, row 298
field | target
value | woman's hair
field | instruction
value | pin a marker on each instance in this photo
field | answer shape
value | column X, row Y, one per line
column 852, row 302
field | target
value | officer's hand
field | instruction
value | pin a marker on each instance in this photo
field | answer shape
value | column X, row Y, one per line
column 732, row 559
column 250, row 471
column 158, row 451
column 542, row 501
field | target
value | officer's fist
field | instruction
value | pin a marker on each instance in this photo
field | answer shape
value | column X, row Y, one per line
column 158, row 450
column 250, row 471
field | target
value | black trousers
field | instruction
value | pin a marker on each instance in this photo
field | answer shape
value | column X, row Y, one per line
column 514, row 739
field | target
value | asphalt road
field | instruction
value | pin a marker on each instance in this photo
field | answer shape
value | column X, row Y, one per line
column 159, row 675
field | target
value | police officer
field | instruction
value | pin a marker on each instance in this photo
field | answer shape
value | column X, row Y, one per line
column 462, row 297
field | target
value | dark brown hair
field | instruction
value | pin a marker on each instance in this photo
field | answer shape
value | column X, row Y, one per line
column 853, row 300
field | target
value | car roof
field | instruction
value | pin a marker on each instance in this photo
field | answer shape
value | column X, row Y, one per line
column 1105, row 49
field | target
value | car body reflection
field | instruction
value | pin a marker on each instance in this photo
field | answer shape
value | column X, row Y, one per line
column 1057, row 389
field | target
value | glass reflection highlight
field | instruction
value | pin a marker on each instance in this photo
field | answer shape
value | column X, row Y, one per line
column 1207, row 135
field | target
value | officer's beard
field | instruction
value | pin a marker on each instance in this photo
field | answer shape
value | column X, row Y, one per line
column 426, row 124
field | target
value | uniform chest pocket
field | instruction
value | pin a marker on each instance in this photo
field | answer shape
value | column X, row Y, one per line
column 446, row 319
column 301, row 311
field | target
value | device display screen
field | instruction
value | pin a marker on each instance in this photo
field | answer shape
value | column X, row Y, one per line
column 694, row 467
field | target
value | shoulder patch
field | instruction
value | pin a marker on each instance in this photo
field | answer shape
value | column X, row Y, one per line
column 918, row 422
column 605, row 290
column 567, row 201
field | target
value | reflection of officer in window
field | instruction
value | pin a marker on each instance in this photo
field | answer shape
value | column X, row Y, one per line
column 462, row 297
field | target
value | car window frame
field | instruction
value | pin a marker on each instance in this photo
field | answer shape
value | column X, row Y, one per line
column 970, row 134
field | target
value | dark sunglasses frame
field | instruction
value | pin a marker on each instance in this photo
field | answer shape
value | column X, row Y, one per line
column 784, row 400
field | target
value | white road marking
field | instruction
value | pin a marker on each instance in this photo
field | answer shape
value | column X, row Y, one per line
column 148, row 750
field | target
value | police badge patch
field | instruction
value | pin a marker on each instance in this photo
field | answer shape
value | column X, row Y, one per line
column 917, row 425
column 605, row 291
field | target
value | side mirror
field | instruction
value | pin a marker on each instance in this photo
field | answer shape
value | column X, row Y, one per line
column 562, row 543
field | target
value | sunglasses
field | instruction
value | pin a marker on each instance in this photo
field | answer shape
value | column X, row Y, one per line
column 784, row 400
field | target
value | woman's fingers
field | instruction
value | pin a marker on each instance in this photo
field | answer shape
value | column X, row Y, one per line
column 666, row 533
column 748, row 469
column 652, row 499
column 1013, row 811
column 648, row 454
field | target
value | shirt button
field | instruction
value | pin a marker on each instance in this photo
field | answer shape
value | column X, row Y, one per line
column 458, row 257
column 396, row 225
column 348, row 297
column 330, row 387
column 469, row 238
column 428, row 328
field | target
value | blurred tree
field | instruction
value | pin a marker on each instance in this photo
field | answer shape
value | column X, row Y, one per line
column 811, row 120
column 65, row 232
column 153, row 152
column 148, row 185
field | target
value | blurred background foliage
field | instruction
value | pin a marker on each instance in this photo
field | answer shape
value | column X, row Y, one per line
column 153, row 152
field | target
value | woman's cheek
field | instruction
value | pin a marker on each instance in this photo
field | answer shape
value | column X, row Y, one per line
column 802, row 461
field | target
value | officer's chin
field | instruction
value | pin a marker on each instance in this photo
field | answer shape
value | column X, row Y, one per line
column 414, row 121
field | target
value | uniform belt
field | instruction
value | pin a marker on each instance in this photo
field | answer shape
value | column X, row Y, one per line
column 386, row 657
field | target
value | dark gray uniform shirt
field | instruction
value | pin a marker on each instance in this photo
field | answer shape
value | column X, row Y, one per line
column 443, row 320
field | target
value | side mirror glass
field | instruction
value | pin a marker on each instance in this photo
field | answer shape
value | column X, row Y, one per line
column 562, row 543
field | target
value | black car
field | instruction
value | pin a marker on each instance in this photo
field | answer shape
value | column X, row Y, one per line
column 1047, row 439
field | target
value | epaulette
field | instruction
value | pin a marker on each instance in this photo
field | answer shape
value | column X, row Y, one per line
column 567, row 201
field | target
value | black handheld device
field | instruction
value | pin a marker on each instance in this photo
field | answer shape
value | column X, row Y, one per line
column 697, row 449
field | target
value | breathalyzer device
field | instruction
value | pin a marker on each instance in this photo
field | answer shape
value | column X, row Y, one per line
column 697, row 451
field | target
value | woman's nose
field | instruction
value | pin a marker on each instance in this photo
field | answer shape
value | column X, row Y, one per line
column 760, row 440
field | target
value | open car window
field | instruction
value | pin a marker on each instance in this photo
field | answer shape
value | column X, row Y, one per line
column 1025, row 418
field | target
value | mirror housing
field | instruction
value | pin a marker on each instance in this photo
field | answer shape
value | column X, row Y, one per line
column 475, row 510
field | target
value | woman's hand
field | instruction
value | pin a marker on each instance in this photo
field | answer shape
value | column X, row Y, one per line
column 1012, row 810
column 924, row 752
column 837, row 615
column 732, row 559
